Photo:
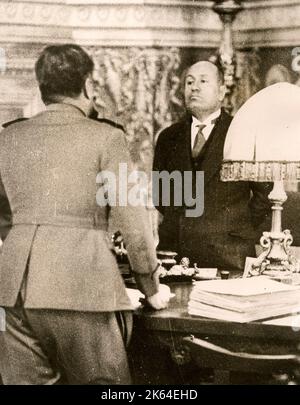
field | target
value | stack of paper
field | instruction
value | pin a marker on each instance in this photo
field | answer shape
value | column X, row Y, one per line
column 243, row 300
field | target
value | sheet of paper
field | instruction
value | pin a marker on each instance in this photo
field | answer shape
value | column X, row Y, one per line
column 244, row 286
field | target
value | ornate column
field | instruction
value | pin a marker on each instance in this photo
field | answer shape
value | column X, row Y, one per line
column 227, row 11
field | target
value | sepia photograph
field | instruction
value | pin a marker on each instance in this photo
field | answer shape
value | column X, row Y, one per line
column 149, row 195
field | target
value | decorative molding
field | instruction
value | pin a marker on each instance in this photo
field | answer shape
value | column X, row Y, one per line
column 168, row 3
column 148, row 23
column 268, row 23
column 284, row 37
column 172, row 23
column 255, row 4
column 148, row 38
column 268, row 17
column 124, row 15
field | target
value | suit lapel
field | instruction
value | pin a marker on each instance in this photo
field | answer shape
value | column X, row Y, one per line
column 210, row 157
column 212, row 154
column 182, row 159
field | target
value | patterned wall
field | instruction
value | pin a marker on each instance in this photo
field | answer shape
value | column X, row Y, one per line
column 139, row 88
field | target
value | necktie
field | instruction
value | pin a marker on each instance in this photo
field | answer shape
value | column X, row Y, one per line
column 199, row 142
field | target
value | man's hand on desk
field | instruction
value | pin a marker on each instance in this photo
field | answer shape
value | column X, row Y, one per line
column 161, row 299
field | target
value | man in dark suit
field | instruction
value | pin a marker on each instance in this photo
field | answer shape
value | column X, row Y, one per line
column 225, row 234
column 67, row 311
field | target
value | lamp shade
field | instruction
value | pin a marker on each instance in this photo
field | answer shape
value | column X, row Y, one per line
column 263, row 140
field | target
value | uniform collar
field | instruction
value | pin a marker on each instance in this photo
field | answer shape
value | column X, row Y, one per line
column 65, row 107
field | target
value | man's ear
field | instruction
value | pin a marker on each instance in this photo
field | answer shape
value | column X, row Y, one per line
column 89, row 88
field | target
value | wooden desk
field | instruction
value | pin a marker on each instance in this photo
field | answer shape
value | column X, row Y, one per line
column 159, row 334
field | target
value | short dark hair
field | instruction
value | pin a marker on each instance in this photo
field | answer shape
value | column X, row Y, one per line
column 61, row 71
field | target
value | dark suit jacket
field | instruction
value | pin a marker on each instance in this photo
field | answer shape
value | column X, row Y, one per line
column 48, row 169
column 225, row 234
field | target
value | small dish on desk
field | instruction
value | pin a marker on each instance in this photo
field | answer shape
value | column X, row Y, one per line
column 167, row 258
column 166, row 253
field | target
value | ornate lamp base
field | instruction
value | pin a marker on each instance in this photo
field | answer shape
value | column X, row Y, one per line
column 276, row 259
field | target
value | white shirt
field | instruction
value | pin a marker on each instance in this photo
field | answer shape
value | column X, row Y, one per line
column 209, row 122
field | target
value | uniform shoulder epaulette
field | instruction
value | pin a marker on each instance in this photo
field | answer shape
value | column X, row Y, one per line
column 7, row 124
column 112, row 123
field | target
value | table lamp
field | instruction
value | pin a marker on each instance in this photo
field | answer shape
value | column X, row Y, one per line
column 263, row 145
